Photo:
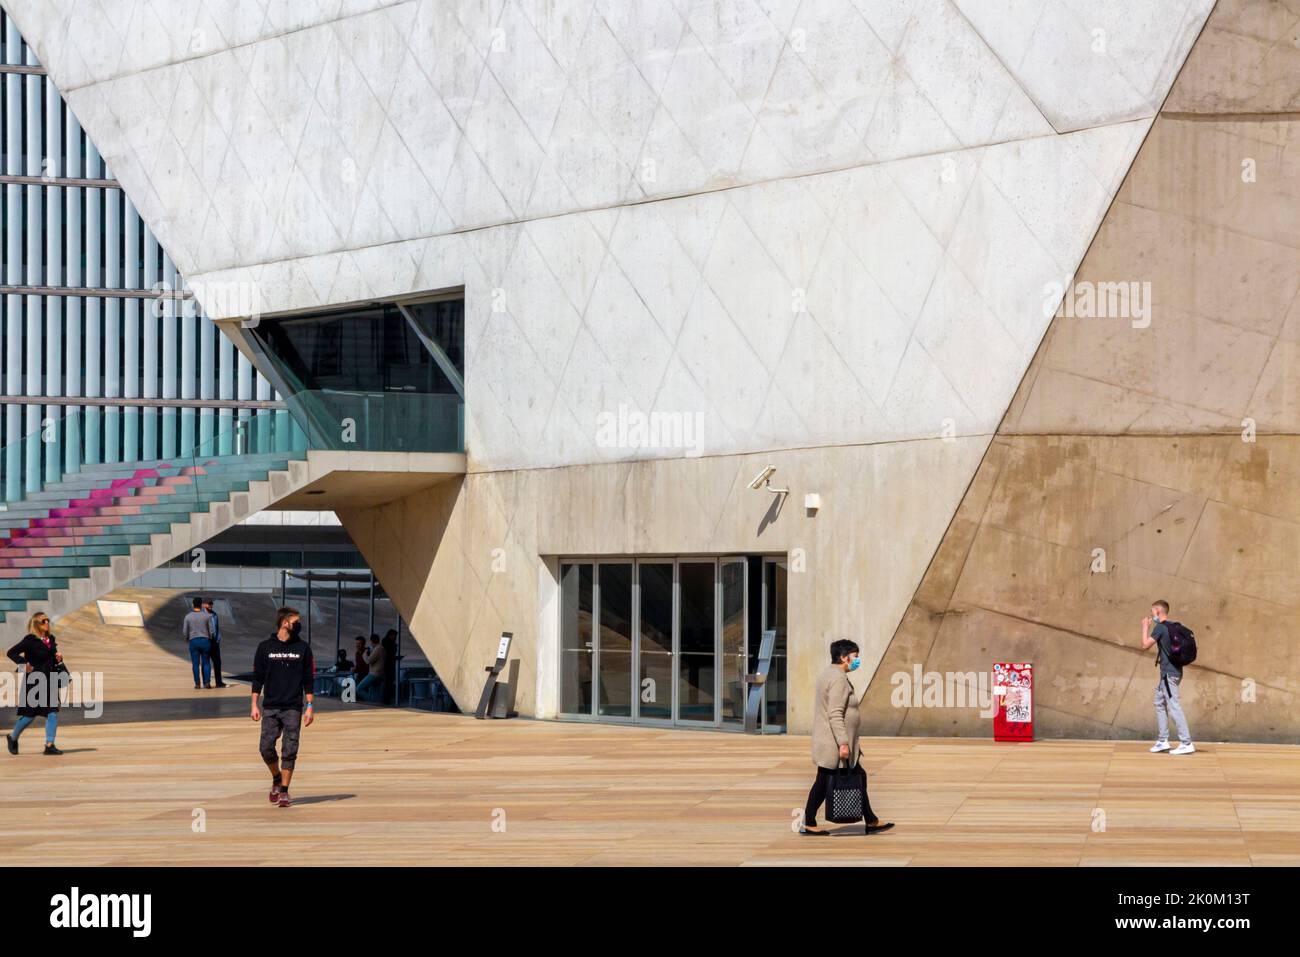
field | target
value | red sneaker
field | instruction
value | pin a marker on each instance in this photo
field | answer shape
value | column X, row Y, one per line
column 284, row 800
column 275, row 794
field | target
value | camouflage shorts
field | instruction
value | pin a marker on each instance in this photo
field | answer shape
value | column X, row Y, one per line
column 277, row 722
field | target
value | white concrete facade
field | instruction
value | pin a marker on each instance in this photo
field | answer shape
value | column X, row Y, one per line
column 877, row 191
column 795, row 225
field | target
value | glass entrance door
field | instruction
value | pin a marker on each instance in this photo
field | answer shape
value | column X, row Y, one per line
column 614, row 639
column 670, row 640
column 577, row 643
column 655, row 640
column 733, row 597
column 774, row 600
column 697, row 670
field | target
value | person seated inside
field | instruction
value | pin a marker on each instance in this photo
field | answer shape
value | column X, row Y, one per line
column 359, row 666
column 371, row 687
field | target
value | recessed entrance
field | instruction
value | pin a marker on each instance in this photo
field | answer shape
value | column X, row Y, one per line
column 670, row 640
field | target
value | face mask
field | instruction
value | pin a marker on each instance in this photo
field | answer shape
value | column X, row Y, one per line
column 297, row 627
column 853, row 664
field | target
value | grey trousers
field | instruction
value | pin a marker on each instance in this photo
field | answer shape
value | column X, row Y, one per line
column 1167, row 703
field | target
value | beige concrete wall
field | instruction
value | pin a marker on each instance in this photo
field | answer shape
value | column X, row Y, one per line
column 466, row 560
column 1173, row 446
column 1209, row 523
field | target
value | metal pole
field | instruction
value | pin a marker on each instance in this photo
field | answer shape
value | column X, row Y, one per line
column 338, row 617
column 397, row 691
column 308, row 577
column 284, row 578
column 371, row 630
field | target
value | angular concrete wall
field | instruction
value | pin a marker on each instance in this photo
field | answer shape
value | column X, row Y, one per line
column 1173, row 446
column 826, row 232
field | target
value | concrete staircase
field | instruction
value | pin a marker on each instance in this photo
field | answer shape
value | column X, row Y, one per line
column 101, row 527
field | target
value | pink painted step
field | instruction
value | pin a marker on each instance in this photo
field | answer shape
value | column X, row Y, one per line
column 64, row 522
column 125, row 494
column 48, row 531
column 54, row 545
column 17, row 553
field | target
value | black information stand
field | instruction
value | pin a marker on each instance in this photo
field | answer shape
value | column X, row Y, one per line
column 756, row 682
column 493, row 673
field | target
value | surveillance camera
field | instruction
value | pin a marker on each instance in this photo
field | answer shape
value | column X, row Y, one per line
column 762, row 477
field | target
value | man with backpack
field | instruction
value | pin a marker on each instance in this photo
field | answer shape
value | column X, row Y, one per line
column 1175, row 647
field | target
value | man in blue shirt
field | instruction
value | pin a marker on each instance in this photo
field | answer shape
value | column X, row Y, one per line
column 195, row 629
column 1156, row 632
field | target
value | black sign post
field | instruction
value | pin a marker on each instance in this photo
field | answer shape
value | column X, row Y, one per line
column 757, row 681
column 493, row 672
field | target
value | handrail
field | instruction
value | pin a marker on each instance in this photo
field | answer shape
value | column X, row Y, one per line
column 144, row 402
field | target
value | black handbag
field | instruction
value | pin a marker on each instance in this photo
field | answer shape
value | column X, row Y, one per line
column 846, row 794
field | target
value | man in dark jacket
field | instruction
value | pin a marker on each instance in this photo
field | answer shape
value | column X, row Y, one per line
column 282, row 671
column 214, row 639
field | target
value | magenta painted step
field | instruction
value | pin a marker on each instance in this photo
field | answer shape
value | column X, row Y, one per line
column 53, row 546
column 46, row 531
column 35, row 541
column 89, row 512
column 36, row 552
column 66, row 522
column 113, row 495
column 10, row 562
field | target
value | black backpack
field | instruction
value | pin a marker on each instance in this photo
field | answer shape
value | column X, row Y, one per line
column 1182, row 644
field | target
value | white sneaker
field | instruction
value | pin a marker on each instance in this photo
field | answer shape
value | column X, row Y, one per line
column 1160, row 746
column 1188, row 748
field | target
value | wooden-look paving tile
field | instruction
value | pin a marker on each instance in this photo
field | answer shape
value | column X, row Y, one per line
column 383, row 786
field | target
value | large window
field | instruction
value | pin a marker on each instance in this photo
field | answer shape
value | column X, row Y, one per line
column 670, row 640
column 381, row 377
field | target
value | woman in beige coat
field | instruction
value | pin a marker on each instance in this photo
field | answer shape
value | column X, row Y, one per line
column 835, row 732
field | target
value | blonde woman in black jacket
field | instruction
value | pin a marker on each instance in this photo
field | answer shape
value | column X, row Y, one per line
column 38, row 656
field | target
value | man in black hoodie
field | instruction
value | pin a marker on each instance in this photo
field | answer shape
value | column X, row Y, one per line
column 283, row 668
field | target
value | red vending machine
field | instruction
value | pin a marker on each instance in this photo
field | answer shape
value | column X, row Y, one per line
column 1013, row 693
